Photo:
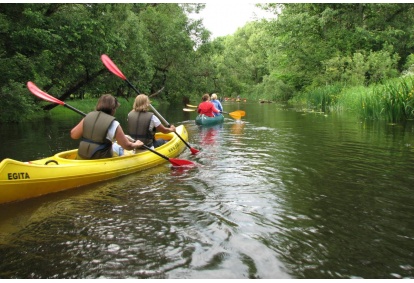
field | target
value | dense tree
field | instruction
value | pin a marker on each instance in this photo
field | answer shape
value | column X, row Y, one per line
column 58, row 46
column 311, row 37
column 159, row 47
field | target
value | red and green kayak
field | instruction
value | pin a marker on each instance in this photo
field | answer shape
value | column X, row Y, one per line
column 203, row 120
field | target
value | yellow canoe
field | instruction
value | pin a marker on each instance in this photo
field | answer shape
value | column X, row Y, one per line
column 23, row 180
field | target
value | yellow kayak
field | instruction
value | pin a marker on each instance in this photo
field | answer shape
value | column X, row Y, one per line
column 23, row 180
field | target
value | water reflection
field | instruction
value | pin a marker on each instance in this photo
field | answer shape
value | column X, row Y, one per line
column 209, row 135
column 279, row 195
column 237, row 127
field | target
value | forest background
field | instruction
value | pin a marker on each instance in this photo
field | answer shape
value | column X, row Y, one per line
column 326, row 57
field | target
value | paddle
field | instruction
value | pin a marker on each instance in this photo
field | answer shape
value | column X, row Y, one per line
column 241, row 112
column 173, row 161
column 45, row 96
column 235, row 115
column 115, row 70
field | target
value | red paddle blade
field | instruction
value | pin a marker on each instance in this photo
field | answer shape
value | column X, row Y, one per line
column 194, row 151
column 111, row 66
column 180, row 162
column 43, row 95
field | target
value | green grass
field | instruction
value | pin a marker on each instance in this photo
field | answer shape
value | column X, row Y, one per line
column 391, row 101
column 397, row 100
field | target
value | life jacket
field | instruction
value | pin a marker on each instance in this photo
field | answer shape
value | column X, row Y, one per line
column 94, row 144
column 138, row 127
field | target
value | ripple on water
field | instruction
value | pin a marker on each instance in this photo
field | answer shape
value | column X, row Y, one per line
column 300, row 196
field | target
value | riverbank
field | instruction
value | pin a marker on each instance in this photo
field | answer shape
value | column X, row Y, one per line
column 392, row 101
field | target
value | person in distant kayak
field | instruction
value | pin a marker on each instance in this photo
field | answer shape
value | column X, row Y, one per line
column 142, row 124
column 99, row 129
column 207, row 107
column 216, row 103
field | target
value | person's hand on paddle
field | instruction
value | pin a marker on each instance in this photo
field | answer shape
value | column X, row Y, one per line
column 172, row 128
column 137, row 144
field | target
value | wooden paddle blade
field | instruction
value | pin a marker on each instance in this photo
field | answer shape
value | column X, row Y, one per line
column 43, row 95
column 180, row 162
column 189, row 105
column 188, row 110
column 111, row 66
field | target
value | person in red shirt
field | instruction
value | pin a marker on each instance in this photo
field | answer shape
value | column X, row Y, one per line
column 206, row 107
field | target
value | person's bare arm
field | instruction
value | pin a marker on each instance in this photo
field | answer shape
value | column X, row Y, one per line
column 165, row 130
column 216, row 110
column 77, row 131
column 124, row 142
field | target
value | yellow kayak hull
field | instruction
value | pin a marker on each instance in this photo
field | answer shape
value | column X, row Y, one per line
column 24, row 180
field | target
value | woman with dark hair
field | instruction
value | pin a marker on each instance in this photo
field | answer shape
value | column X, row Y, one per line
column 99, row 129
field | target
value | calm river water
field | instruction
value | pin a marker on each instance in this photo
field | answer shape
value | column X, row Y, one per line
column 284, row 194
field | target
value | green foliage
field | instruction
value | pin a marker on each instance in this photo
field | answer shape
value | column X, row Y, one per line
column 392, row 101
column 409, row 65
column 58, row 46
column 362, row 68
column 323, row 53
column 349, row 99
column 382, row 66
column 370, row 106
column 352, row 43
column 16, row 105
column 274, row 89
column 323, row 98
column 397, row 99
column 349, row 70
column 240, row 61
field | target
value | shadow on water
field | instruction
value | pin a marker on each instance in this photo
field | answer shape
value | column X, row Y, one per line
column 279, row 194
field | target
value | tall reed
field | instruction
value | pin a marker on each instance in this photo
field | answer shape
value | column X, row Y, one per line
column 392, row 101
column 370, row 105
column 323, row 98
column 397, row 100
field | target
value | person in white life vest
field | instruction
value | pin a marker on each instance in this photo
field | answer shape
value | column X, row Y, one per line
column 142, row 124
column 99, row 129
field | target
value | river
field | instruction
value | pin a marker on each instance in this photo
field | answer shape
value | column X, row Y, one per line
column 281, row 194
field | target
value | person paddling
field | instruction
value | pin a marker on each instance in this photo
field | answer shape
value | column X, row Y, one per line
column 143, row 125
column 206, row 107
column 216, row 103
column 99, row 129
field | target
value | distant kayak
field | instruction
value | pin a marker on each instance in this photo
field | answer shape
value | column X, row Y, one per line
column 203, row 120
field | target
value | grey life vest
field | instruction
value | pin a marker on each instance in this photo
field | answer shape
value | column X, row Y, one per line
column 94, row 144
column 138, row 127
